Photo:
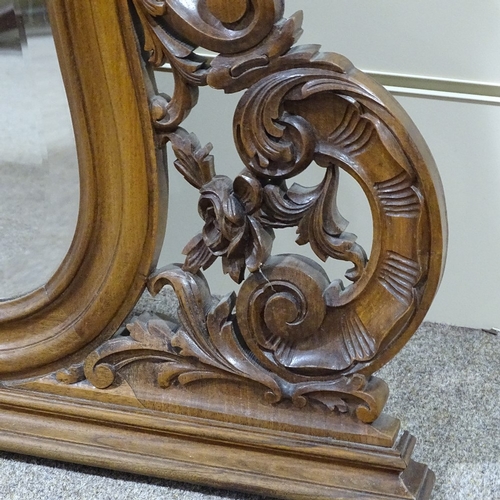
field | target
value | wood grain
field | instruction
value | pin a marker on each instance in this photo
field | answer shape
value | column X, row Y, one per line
column 280, row 465
column 269, row 390
column 121, row 216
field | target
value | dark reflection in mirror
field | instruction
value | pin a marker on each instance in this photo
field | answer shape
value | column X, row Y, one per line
column 38, row 166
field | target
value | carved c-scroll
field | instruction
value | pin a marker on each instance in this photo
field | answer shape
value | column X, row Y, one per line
column 291, row 329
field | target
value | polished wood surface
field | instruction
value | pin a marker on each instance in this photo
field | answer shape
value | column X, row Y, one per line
column 270, row 390
column 121, row 219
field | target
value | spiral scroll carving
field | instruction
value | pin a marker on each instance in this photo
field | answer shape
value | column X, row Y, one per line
column 280, row 313
column 291, row 329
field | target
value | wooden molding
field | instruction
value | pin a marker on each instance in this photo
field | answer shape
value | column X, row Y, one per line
column 271, row 389
column 123, row 205
column 192, row 449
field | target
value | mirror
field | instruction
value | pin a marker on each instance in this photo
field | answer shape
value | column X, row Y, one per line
column 39, row 188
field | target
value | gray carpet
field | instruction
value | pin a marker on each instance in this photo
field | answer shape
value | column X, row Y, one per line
column 444, row 389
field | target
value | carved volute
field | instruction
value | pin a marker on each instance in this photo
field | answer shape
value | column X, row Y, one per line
column 304, row 336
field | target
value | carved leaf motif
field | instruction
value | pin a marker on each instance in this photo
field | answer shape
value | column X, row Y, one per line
column 249, row 191
column 194, row 162
column 207, row 334
column 198, row 255
column 235, row 267
column 261, row 245
column 353, row 133
column 168, row 113
column 195, row 299
column 190, row 72
column 143, row 344
column 237, row 72
column 283, row 207
column 398, row 196
column 170, row 372
column 399, row 275
column 359, row 345
column 273, row 146
column 163, row 46
column 208, row 346
column 186, row 372
column 323, row 228
column 365, row 396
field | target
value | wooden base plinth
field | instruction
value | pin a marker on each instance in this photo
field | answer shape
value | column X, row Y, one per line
column 252, row 459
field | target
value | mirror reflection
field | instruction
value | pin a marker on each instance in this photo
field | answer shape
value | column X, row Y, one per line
column 39, row 192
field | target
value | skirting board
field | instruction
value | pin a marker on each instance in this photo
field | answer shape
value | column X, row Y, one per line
column 282, row 465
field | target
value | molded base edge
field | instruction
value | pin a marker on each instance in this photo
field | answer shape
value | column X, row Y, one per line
column 277, row 464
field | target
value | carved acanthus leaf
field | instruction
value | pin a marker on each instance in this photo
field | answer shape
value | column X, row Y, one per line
column 198, row 255
column 193, row 161
column 190, row 69
column 399, row 197
column 208, row 345
column 323, row 228
column 143, row 344
column 399, row 276
column 169, row 112
column 353, row 132
column 358, row 344
column 285, row 207
column 164, row 47
column 368, row 395
column 237, row 72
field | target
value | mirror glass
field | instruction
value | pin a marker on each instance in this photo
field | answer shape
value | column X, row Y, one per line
column 39, row 189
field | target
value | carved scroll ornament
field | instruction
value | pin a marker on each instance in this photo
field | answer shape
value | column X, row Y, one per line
column 292, row 330
column 271, row 389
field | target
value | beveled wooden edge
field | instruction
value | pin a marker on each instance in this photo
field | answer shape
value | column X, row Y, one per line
column 192, row 449
column 122, row 200
column 433, row 188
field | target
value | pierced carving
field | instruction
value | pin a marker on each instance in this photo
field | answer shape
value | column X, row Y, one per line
column 283, row 369
column 290, row 330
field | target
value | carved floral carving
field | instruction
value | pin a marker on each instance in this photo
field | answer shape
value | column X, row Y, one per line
column 291, row 330
column 209, row 345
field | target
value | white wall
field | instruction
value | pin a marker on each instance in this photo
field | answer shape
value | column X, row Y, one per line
column 446, row 39
column 441, row 38
column 465, row 141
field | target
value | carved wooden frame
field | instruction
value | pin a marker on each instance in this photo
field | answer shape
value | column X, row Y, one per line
column 74, row 390
column 121, row 218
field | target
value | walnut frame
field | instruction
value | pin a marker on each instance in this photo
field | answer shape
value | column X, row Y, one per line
column 61, row 397
column 121, row 218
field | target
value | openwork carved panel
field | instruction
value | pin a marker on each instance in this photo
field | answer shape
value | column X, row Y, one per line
column 301, row 335
column 283, row 369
